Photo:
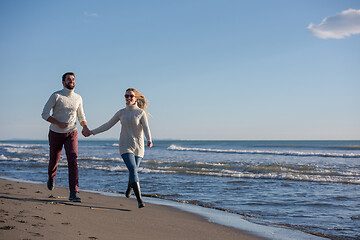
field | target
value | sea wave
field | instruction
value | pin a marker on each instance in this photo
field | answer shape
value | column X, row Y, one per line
column 105, row 167
column 89, row 158
column 290, row 176
column 264, row 152
column 279, row 171
column 21, row 145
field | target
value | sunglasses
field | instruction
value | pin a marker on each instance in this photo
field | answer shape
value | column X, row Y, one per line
column 129, row 96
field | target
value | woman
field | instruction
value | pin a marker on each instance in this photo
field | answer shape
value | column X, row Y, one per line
column 133, row 124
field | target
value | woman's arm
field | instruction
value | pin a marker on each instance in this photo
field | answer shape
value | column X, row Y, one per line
column 146, row 129
column 106, row 126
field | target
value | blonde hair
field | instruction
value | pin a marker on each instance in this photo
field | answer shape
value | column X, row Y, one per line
column 141, row 100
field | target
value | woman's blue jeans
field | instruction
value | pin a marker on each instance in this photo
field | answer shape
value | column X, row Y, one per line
column 132, row 162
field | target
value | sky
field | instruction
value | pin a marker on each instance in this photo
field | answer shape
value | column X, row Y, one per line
column 210, row 69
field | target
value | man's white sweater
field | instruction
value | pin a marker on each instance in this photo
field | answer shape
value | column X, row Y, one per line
column 65, row 105
column 133, row 124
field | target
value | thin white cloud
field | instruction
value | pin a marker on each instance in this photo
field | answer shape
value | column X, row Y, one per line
column 338, row 26
column 91, row 14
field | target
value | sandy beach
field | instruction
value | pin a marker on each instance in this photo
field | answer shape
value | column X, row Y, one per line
column 31, row 211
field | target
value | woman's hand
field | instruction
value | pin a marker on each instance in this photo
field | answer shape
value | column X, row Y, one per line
column 149, row 144
column 86, row 132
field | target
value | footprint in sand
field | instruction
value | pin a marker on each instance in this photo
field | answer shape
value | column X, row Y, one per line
column 20, row 214
column 35, row 234
column 38, row 217
column 37, row 225
column 9, row 186
column 3, row 211
column 7, row 227
column 93, row 238
column 65, row 223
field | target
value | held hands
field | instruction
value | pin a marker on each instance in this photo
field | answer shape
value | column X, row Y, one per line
column 86, row 132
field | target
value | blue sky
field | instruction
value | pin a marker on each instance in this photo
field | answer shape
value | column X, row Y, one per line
column 211, row 69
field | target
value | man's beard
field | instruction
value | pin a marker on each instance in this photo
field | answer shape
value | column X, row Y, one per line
column 71, row 87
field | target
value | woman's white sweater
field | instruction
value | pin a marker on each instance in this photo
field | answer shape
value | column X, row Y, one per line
column 134, row 125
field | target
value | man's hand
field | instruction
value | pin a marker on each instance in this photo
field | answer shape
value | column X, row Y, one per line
column 86, row 132
column 62, row 125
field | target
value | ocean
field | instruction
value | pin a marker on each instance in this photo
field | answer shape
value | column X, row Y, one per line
column 310, row 186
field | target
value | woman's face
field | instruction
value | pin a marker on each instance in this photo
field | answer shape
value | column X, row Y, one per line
column 130, row 98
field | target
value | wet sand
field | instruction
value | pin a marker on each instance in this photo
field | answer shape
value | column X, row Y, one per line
column 31, row 211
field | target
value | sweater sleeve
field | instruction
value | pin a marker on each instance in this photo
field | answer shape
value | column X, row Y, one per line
column 80, row 112
column 48, row 106
column 106, row 126
column 146, row 128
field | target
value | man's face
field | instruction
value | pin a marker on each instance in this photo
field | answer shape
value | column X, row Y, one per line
column 69, row 82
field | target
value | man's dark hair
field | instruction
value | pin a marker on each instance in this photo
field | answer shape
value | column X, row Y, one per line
column 68, row 73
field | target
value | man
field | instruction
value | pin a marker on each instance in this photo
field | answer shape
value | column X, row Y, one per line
column 65, row 105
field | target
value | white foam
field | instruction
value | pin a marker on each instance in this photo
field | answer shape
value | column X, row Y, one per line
column 284, row 153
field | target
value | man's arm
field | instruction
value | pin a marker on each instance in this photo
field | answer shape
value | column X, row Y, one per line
column 81, row 116
column 46, row 112
column 54, row 121
column 86, row 131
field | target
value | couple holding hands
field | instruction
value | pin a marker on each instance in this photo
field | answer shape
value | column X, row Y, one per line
column 66, row 105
